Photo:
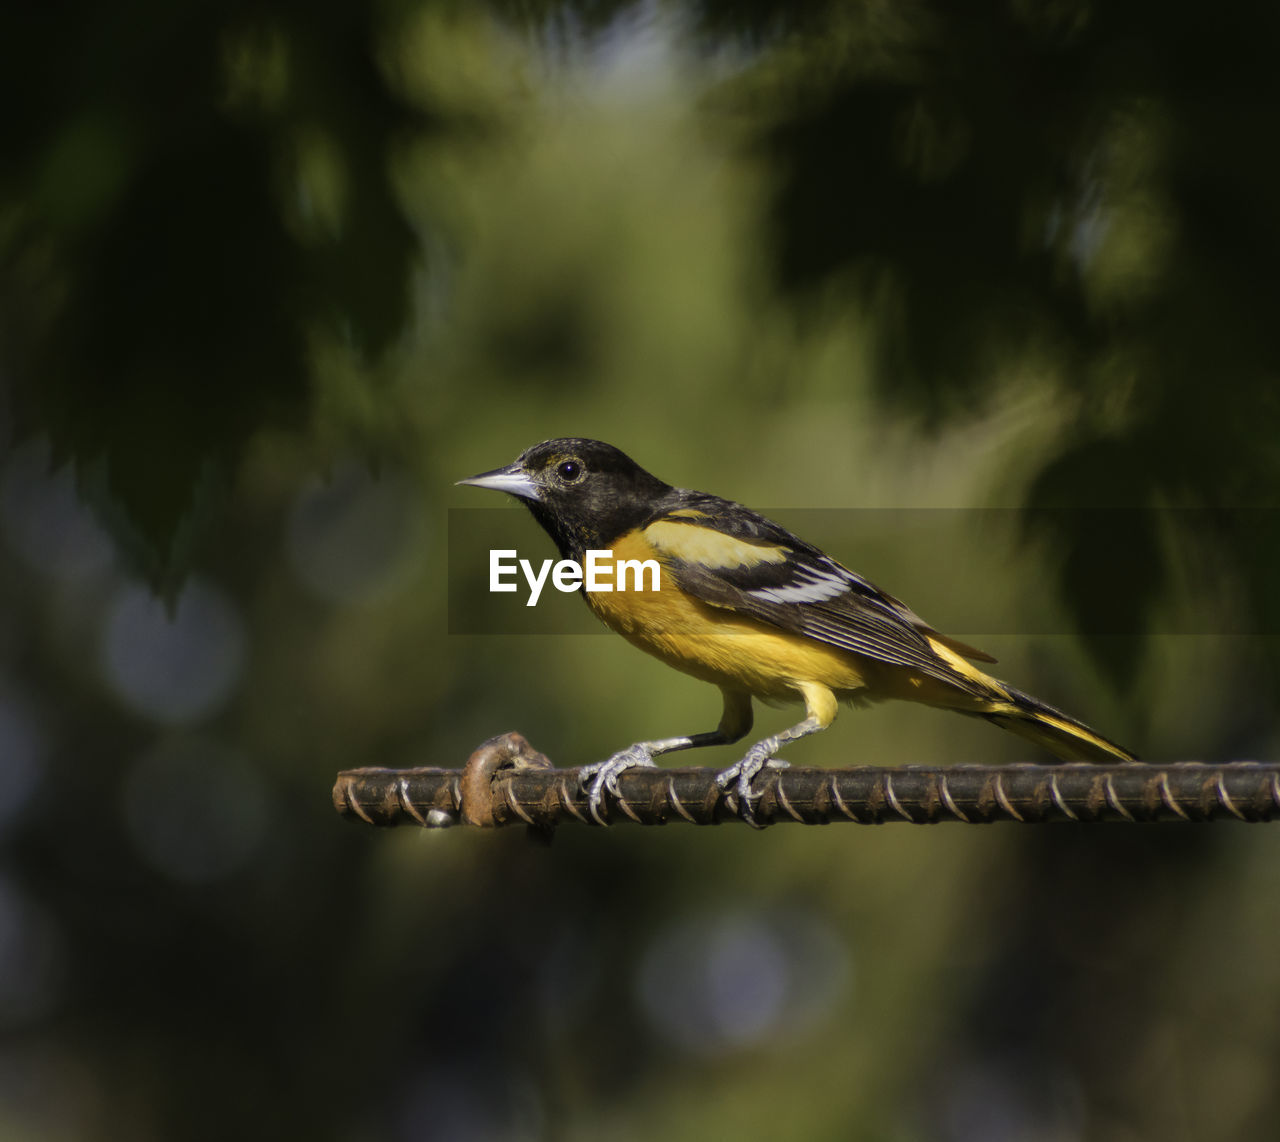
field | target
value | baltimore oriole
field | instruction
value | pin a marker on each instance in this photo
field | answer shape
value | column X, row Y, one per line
column 746, row 605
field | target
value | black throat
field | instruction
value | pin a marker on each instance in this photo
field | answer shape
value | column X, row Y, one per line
column 599, row 518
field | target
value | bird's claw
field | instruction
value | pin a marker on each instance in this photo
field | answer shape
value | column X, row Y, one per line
column 602, row 776
column 741, row 774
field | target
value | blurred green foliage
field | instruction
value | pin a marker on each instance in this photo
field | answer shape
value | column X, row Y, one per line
column 190, row 196
column 273, row 276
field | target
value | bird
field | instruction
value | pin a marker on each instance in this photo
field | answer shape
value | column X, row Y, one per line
column 746, row 605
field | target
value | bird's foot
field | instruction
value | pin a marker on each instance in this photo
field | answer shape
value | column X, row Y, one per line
column 742, row 773
column 602, row 776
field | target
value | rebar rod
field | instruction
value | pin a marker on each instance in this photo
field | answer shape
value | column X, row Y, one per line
column 506, row 782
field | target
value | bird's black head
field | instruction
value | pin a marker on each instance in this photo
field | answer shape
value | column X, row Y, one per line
column 585, row 493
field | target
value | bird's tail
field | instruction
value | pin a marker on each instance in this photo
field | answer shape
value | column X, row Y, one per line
column 1057, row 732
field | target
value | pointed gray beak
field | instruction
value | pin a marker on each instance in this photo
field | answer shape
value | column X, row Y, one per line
column 509, row 479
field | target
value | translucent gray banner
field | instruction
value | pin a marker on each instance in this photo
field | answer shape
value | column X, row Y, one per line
column 967, row 571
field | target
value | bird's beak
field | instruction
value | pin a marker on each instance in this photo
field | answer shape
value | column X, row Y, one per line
column 511, row 479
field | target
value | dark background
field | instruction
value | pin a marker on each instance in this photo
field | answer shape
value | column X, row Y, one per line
column 274, row 275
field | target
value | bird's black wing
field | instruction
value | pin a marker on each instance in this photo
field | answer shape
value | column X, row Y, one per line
column 729, row 556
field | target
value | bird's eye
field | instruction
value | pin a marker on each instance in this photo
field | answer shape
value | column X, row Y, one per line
column 570, row 471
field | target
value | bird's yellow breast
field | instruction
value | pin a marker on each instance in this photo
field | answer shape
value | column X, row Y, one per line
column 718, row 645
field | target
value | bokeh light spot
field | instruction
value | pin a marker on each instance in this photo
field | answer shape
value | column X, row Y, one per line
column 720, row 983
column 175, row 668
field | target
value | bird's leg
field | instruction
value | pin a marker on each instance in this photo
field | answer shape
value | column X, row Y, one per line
column 820, row 706
column 600, row 776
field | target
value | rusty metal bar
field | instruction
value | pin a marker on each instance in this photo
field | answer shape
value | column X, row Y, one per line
column 506, row 782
